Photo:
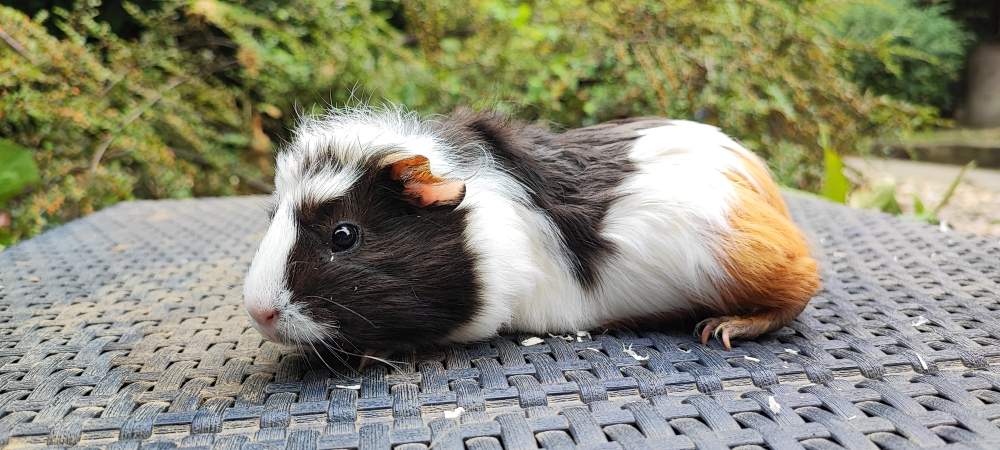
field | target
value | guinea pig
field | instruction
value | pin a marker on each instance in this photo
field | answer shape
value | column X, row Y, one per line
column 391, row 231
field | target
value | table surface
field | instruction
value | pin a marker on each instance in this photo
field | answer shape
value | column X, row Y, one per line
column 126, row 328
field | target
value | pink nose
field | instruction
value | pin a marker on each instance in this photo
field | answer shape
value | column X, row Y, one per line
column 265, row 317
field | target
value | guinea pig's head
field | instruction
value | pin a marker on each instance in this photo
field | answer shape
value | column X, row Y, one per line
column 368, row 253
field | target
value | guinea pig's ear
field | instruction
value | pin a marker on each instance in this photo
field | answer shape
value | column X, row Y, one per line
column 423, row 188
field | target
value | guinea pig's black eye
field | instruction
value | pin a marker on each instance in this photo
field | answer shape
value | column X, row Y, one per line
column 345, row 237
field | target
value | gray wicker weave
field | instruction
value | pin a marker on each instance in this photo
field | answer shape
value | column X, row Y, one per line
column 126, row 329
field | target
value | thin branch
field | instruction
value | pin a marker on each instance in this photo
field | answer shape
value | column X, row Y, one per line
column 16, row 45
column 951, row 188
column 135, row 114
column 95, row 162
column 107, row 89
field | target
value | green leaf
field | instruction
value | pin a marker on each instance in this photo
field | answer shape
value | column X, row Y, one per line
column 835, row 184
column 918, row 206
column 921, row 212
column 17, row 170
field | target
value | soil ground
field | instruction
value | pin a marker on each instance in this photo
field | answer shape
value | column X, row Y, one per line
column 975, row 206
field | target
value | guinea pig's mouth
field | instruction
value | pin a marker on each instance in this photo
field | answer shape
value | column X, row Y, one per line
column 271, row 333
column 293, row 327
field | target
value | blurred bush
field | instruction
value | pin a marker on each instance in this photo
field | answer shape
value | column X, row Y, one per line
column 181, row 109
column 192, row 100
column 911, row 53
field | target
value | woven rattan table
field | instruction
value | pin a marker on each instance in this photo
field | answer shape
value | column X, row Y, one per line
column 126, row 329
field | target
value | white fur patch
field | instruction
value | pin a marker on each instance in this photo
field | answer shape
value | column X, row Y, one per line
column 520, row 258
column 265, row 282
column 323, row 186
column 500, row 267
column 668, row 224
column 265, row 286
column 295, row 326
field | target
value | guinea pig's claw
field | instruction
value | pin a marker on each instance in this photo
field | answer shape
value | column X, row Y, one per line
column 721, row 328
column 705, row 328
column 725, row 337
column 698, row 327
column 726, row 328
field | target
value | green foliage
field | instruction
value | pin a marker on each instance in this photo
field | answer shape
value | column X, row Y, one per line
column 914, row 53
column 192, row 101
column 18, row 170
column 766, row 71
column 182, row 109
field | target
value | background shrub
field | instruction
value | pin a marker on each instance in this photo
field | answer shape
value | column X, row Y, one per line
column 174, row 98
column 914, row 54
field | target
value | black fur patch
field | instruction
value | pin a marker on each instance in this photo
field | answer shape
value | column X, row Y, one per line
column 571, row 176
column 410, row 282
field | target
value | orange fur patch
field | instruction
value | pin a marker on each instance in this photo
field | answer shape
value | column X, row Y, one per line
column 767, row 257
column 762, row 182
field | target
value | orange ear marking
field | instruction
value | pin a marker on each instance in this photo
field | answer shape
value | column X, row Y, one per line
column 413, row 169
column 422, row 187
column 445, row 193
